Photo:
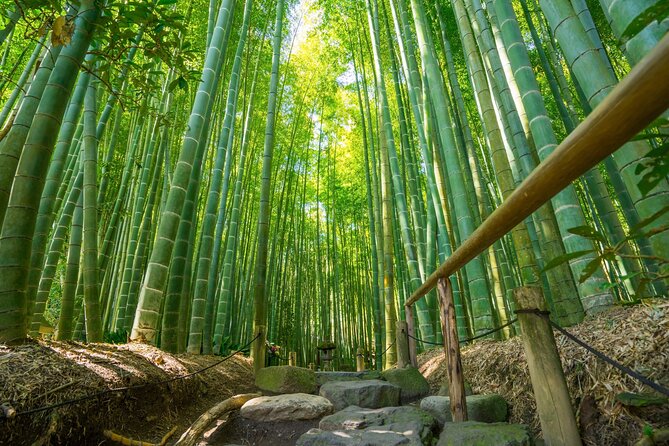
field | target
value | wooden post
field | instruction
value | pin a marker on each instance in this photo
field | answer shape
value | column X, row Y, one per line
column 360, row 360
column 292, row 359
column 558, row 423
column 456, row 381
column 411, row 331
column 258, row 348
column 402, row 344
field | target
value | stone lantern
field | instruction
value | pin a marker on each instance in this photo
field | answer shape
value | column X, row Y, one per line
column 326, row 354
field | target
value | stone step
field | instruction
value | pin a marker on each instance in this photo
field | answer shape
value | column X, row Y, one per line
column 484, row 434
column 388, row 426
column 371, row 394
column 401, row 419
column 325, row 377
column 410, row 380
column 289, row 407
column 286, row 379
column 484, row 408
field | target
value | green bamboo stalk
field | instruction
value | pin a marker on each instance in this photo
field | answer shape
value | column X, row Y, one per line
column 19, row 223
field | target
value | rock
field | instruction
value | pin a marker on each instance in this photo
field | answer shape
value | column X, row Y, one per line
column 371, row 437
column 296, row 406
column 484, row 434
column 410, row 380
column 397, row 419
column 286, row 379
column 371, row 394
column 483, row 408
column 443, row 390
column 324, row 377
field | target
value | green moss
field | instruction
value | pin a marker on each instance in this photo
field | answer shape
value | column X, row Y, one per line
column 484, row 434
column 286, row 379
column 410, row 380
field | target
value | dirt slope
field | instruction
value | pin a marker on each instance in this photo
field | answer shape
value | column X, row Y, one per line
column 637, row 336
column 43, row 373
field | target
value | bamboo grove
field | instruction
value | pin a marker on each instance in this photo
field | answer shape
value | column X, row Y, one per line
column 192, row 174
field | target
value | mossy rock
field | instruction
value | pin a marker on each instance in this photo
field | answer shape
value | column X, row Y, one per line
column 410, row 380
column 367, row 393
column 484, row 408
column 443, row 390
column 286, row 379
column 482, row 434
column 402, row 419
column 325, row 377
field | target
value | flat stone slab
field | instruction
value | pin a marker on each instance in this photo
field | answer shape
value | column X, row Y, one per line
column 325, row 377
column 410, row 380
column 286, row 379
column 484, row 408
column 289, row 407
column 484, row 434
column 371, row 394
column 366, row 437
column 401, row 419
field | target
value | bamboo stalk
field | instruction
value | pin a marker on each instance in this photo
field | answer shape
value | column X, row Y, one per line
column 606, row 129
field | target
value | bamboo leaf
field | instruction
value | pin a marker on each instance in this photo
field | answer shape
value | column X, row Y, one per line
column 588, row 232
column 559, row 260
column 637, row 229
column 61, row 31
column 589, row 269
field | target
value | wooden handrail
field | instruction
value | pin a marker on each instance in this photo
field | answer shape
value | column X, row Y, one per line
column 632, row 105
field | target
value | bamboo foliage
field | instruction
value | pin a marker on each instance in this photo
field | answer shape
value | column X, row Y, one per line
column 164, row 180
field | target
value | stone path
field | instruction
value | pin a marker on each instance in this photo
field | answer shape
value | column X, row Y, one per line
column 377, row 409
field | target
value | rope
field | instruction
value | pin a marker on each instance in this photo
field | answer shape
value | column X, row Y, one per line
column 636, row 375
column 612, row 362
column 424, row 341
column 386, row 350
column 137, row 386
column 473, row 338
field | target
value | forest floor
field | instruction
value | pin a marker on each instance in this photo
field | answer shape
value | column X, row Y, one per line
column 44, row 373
column 637, row 336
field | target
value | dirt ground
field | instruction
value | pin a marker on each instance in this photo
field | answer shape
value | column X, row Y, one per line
column 44, row 373
column 636, row 336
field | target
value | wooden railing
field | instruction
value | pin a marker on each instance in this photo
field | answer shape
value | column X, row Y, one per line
column 632, row 105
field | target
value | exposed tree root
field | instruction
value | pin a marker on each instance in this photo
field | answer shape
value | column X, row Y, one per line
column 130, row 442
column 193, row 433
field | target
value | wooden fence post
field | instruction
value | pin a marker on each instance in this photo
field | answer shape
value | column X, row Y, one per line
column 402, row 344
column 456, row 381
column 292, row 359
column 411, row 332
column 360, row 360
column 558, row 423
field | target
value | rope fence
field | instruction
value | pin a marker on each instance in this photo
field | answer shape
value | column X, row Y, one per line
column 473, row 338
column 389, row 347
column 623, row 368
